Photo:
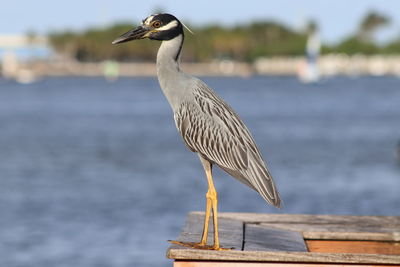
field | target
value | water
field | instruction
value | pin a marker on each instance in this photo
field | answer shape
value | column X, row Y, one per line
column 94, row 173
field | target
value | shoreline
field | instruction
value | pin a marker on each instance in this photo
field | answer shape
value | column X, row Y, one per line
column 327, row 65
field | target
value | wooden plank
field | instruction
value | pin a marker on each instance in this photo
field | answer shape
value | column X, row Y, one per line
column 383, row 221
column 370, row 247
column 260, row 264
column 283, row 257
column 360, row 236
column 341, row 231
column 337, row 232
column 374, row 228
column 380, row 227
column 269, row 239
column 230, row 232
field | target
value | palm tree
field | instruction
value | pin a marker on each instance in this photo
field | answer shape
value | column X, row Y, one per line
column 371, row 22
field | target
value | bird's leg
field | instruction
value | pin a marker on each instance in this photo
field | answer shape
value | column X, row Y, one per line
column 211, row 205
column 204, row 236
column 212, row 199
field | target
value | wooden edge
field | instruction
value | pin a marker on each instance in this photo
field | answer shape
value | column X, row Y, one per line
column 263, row 264
column 347, row 246
column 354, row 236
column 289, row 257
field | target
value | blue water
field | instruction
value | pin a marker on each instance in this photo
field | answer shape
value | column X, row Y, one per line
column 94, row 173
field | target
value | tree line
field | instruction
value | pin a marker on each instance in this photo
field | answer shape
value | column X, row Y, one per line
column 243, row 43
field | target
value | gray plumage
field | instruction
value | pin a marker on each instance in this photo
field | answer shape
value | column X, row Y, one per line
column 207, row 124
column 210, row 127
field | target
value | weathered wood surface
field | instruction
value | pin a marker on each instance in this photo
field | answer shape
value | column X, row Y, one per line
column 279, row 256
column 256, row 247
column 259, row 264
column 374, row 228
column 230, row 232
column 261, row 238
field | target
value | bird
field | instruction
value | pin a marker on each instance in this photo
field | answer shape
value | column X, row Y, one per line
column 208, row 125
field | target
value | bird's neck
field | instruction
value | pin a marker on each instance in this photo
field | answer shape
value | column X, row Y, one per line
column 169, row 74
column 168, row 56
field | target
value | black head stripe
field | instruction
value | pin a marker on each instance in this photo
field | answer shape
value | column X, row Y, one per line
column 164, row 18
column 165, row 34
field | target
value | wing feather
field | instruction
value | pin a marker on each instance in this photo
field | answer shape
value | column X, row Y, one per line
column 211, row 128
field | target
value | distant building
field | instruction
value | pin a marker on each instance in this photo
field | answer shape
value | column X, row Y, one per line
column 25, row 47
column 15, row 50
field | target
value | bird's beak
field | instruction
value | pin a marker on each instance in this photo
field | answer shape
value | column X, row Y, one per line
column 139, row 32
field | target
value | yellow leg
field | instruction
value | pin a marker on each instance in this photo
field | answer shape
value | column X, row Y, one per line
column 204, row 236
column 211, row 205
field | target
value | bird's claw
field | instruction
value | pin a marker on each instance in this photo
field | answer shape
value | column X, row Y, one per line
column 198, row 245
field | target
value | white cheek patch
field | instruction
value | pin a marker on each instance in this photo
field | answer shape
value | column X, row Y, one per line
column 169, row 26
column 148, row 20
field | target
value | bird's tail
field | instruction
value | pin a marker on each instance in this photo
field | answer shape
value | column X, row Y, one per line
column 261, row 179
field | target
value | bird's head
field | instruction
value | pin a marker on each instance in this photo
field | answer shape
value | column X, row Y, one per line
column 157, row 27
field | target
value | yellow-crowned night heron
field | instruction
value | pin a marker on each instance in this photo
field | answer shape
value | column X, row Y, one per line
column 208, row 125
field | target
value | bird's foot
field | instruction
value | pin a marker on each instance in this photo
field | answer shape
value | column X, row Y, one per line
column 198, row 245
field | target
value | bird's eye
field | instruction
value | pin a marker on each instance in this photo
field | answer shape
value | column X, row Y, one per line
column 156, row 24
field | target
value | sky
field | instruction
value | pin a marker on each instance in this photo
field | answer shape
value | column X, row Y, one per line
column 337, row 18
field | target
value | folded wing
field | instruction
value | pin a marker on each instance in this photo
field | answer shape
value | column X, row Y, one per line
column 211, row 128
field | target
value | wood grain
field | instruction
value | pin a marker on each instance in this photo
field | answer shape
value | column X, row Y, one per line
column 269, row 239
column 279, row 256
column 369, row 247
column 260, row 264
column 230, row 232
column 373, row 228
column 262, row 227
